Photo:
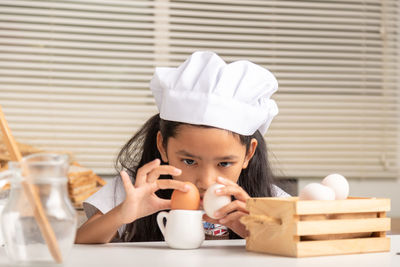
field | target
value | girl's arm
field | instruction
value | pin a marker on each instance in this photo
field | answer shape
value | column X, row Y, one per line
column 140, row 201
column 100, row 228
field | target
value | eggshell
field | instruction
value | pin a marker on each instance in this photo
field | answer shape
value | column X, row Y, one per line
column 338, row 184
column 212, row 202
column 316, row 191
column 186, row 200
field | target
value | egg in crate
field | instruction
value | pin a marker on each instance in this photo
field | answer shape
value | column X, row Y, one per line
column 186, row 200
column 316, row 191
column 338, row 184
column 332, row 187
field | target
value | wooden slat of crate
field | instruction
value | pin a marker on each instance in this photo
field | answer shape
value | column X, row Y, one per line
column 272, row 226
column 272, row 238
column 342, row 206
column 274, row 207
column 342, row 246
column 341, row 226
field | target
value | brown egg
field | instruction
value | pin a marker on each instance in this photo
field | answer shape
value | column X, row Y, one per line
column 186, row 200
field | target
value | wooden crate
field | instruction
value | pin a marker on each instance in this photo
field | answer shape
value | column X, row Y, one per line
column 289, row 227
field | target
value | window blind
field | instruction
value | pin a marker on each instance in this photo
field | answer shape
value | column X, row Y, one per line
column 74, row 75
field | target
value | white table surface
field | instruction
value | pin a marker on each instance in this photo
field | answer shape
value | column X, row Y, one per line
column 218, row 253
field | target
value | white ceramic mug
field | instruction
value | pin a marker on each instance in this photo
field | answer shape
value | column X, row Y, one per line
column 183, row 228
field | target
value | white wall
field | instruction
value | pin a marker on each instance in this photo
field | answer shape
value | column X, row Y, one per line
column 385, row 188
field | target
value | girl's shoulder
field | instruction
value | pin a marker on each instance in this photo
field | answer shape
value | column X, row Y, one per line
column 278, row 192
column 106, row 198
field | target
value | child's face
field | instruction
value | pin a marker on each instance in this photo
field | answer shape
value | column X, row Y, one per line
column 203, row 154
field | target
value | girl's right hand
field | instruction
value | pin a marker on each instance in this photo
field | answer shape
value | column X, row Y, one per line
column 141, row 199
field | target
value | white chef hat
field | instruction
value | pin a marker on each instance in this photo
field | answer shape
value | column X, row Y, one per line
column 204, row 90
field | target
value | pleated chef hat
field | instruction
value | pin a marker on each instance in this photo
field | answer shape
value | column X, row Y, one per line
column 204, row 90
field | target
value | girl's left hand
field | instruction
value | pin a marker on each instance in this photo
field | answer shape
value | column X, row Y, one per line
column 230, row 214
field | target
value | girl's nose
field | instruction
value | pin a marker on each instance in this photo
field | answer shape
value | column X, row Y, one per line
column 205, row 178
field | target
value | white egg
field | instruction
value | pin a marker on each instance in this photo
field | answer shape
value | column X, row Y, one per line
column 212, row 202
column 338, row 184
column 316, row 191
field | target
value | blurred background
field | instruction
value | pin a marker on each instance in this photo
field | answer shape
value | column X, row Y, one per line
column 74, row 77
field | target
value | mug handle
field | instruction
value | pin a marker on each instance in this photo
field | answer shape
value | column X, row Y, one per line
column 160, row 221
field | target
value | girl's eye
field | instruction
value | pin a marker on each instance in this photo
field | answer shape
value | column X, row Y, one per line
column 188, row 161
column 225, row 164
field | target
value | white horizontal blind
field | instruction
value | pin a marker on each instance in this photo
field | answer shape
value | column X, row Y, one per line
column 74, row 74
column 336, row 63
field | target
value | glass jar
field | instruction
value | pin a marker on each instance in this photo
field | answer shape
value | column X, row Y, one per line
column 4, row 193
column 24, row 241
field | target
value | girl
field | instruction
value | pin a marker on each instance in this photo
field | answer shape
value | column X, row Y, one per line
column 210, row 129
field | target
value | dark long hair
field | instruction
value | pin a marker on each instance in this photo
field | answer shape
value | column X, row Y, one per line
column 256, row 179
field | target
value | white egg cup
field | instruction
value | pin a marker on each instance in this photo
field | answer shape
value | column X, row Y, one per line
column 183, row 228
